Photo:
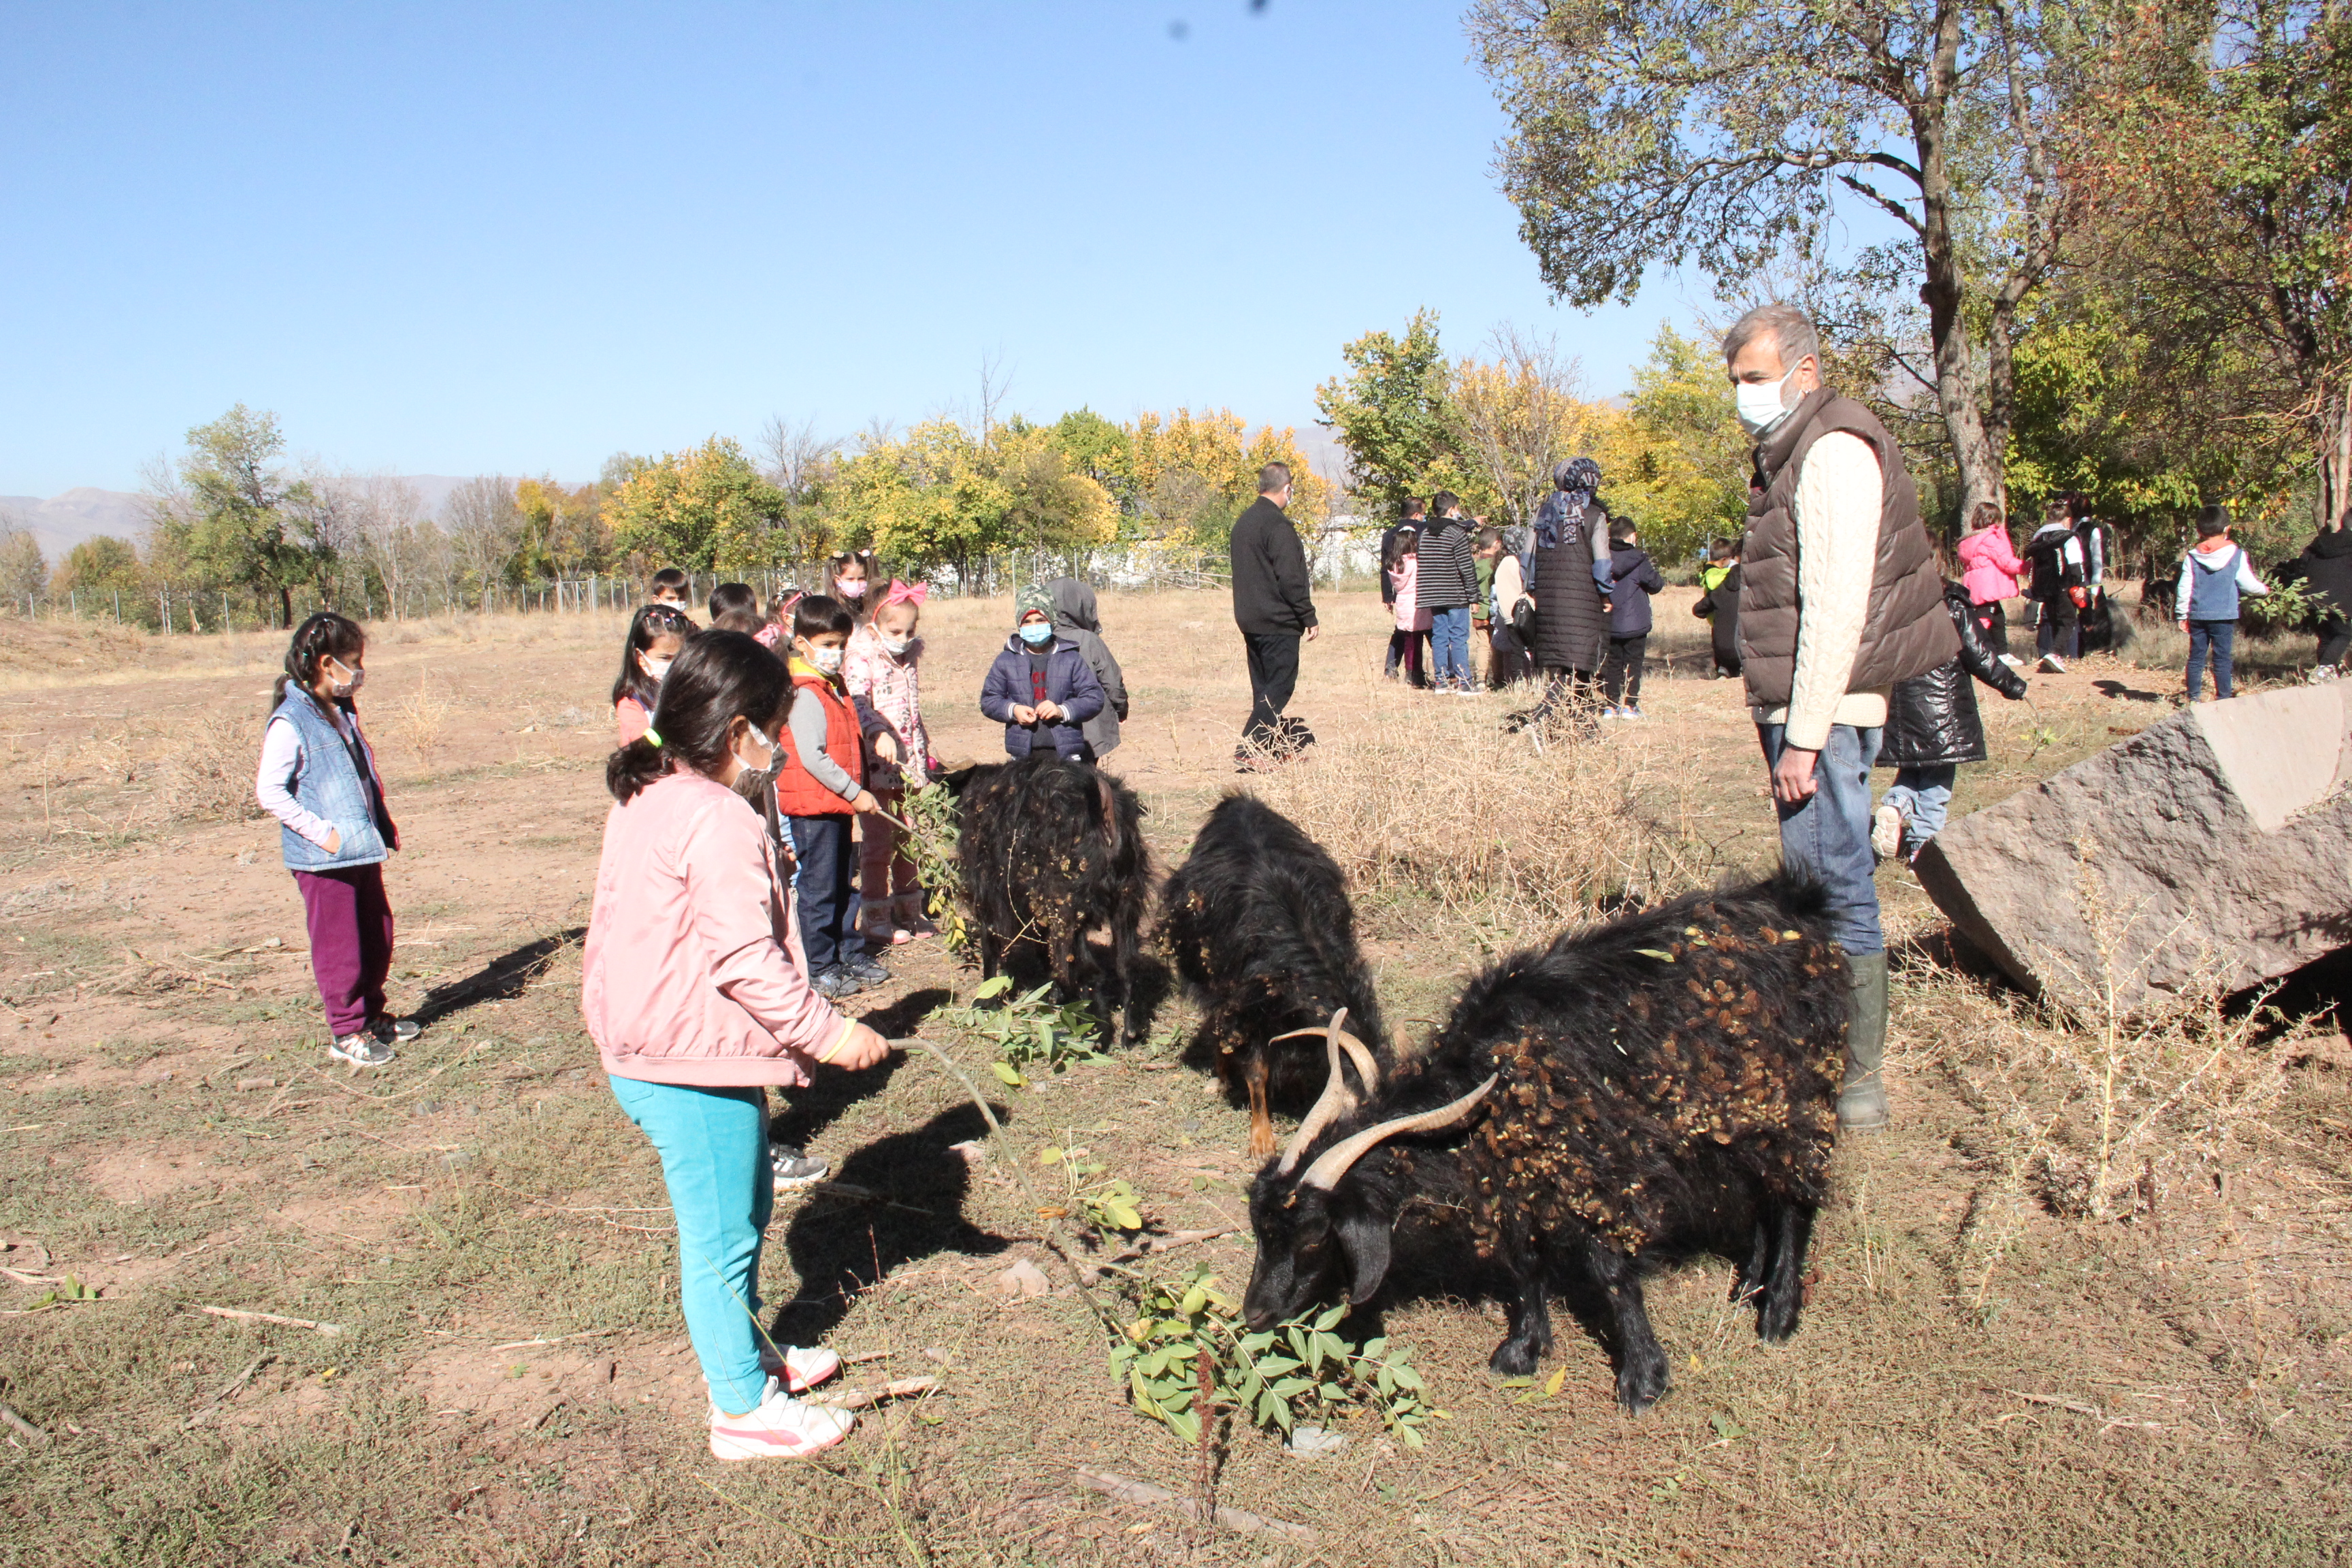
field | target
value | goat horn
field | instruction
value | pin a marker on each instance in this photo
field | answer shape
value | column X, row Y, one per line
column 1336, row 1031
column 1334, row 1102
column 1334, row 1161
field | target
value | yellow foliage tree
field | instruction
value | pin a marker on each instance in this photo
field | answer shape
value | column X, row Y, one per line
column 705, row 510
column 1195, row 472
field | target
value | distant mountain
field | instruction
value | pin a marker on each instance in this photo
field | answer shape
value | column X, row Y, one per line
column 64, row 520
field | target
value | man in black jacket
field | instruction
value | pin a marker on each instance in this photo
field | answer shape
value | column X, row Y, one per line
column 1274, row 607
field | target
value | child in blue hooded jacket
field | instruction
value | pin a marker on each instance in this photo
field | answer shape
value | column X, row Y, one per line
column 1041, row 687
column 2213, row 573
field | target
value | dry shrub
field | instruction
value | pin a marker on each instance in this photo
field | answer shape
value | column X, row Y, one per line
column 208, row 773
column 1450, row 808
column 2099, row 1106
column 425, row 718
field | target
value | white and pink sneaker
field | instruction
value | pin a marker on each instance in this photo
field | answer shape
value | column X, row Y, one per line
column 781, row 1427
column 799, row 1367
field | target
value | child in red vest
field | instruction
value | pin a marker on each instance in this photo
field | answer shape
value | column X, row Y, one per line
column 820, row 785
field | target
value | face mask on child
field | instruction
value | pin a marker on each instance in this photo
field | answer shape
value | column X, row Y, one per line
column 654, row 668
column 342, row 688
column 827, row 659
column 768, row 754
column 896, row 647
column 852, row 590
column 1036, row 634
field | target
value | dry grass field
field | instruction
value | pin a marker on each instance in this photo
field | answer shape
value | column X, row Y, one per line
column 1993, row 1367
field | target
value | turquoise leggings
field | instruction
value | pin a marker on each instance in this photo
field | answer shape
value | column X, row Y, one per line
column 714, row 1152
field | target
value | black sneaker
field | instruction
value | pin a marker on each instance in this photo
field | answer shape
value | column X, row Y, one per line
column 835, row 982
column 391, row 1030
column 795, row 1168
column 362, row 1050
column 865, row 971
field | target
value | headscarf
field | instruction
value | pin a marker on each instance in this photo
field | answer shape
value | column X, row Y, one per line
column 1579, row 480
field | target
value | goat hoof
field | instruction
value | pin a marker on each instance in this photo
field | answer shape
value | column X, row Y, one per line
column 1639, row 1387
column 1513, row 1359
column 1775, row 1325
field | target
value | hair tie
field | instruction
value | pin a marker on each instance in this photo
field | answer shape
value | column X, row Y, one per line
column 653, row 737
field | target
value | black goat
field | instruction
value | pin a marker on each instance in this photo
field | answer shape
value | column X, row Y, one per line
column 1258, row 920
column 1049, row 850
column 1660, row 1080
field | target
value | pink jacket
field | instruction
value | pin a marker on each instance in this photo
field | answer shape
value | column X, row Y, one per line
column 1990, row 569
column 693, row 972
column 1405, row 579
column 889, row 694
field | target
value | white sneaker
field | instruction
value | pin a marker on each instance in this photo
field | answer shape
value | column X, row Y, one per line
column 2011, row 660
column 2320, row 672
column 799, row 1367
column 781, row 1427
column 2052, row 664
column 1885, row 832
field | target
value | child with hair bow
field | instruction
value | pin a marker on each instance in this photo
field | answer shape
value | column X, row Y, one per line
column 880, row 670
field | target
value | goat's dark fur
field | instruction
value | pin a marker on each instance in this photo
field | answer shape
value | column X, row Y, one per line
column 1050, row 850
column 1258, row 921
column 1669, row 1075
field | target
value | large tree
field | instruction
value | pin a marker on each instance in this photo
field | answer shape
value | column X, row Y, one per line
column 1732, row 134
column 1394, row 414
column 2216, row 164
column 226, row 512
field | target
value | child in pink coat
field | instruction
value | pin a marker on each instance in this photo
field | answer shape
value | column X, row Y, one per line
column 695, row 991
column 1403, row 568
column 1992, row 571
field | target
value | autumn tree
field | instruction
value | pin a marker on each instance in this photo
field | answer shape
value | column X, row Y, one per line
column 705, row 509
column 1678, row 460
column 24, row 570
column 1729, row 133
column 100, row 565
column 1515, row 417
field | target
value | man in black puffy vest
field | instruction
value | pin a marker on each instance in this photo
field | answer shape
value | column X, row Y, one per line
column 1840, row 598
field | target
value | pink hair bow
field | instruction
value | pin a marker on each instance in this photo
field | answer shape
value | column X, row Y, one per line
column 906, row 592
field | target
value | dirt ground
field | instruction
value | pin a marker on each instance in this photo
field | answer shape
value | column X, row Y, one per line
column 1980, row 1378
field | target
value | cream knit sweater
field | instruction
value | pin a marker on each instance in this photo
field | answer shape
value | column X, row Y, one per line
column 1839, row 499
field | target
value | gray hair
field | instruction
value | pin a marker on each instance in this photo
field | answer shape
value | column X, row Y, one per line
column 1791, row 330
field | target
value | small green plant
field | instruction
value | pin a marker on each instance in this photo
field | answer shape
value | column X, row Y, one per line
column 1028, row 1030
column 1112, row 1207
column 1272, row 1378
column 2288, row 607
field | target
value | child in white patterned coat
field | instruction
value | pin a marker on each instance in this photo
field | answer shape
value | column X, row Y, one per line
column 880, row 671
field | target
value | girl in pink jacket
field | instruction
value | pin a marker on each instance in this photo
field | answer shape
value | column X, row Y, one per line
column 1991, row 571
column 697, row 995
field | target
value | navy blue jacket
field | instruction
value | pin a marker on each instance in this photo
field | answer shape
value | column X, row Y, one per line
column 1070, row 685
column 1637, row 578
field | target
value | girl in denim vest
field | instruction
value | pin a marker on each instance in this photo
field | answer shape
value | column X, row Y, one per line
column 318, row 779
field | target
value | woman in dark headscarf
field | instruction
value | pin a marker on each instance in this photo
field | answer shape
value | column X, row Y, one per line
column 1569, row 583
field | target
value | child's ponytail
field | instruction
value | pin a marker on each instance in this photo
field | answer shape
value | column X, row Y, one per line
column 719, row 676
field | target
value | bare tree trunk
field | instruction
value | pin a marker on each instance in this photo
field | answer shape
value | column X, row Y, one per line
column 1960, row 381
column 2334, row 421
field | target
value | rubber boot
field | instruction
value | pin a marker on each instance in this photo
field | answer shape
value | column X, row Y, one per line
column 1861, row 1104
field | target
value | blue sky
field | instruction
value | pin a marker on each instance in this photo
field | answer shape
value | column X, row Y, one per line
column 445, row 238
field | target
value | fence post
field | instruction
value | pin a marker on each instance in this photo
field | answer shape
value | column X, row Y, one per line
column 118, row 606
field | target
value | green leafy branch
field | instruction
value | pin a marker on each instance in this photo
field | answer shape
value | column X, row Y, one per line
column 931, row 813
column 1271, row 1377
column 1028, row 1030
column 1112, row 1207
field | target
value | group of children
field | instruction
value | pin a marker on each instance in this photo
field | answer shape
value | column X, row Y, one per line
column 723, row 938
column 1443, row 576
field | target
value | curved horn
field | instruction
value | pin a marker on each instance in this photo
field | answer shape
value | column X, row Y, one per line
column 1334, row 1161
column 1367, row 1067
column 1334, row 1102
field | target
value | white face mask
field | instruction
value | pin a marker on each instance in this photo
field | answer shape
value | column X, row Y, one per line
column 896, row 647
column 655, row 669
column 1763, row 404
column 827, row 659
column 768, row 756
column 342, row 688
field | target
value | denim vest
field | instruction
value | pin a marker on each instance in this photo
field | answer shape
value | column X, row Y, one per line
column 2213, row 590
column 327, row 783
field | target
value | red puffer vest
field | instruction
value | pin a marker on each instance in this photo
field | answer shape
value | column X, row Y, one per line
column 797, row 791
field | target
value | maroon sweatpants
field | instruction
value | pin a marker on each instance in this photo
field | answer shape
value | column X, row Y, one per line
column 351, row 942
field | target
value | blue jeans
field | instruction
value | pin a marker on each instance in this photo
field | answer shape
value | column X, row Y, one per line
column 1924, row 796
column 2219, row 637
column 713, row 1144
column 1827, row 835
column 1449, row 637
column 826, row 890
